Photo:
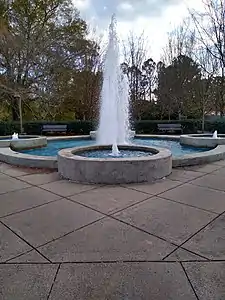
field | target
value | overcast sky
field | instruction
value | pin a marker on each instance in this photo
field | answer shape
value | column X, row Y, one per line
column 154, row 17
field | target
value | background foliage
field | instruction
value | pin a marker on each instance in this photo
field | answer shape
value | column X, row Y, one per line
column 48, row 60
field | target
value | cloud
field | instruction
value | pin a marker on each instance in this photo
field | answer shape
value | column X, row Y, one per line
column 126, row 10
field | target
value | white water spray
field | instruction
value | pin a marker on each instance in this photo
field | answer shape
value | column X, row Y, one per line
column 114, row 113
column 215, row 136
column 15, row 136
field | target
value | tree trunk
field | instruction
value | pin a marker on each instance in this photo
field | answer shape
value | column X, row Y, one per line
column 15, row 109
column 203, row 119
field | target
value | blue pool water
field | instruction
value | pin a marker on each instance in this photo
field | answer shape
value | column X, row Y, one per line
column 174, row 146
column 108, row 153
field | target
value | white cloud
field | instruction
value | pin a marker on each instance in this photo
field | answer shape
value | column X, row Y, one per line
column 155, row 17
column 82, row 5
column 125, row 6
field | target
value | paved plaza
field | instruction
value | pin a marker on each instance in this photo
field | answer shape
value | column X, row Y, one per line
column 65, row 241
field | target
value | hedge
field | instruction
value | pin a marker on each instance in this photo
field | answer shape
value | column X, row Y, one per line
column 84, row 127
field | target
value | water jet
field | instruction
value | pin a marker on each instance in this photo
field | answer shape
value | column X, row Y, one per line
column 114, row 159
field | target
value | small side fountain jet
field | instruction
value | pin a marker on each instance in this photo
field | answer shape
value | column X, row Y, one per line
column 215, row 136
column 15, row 136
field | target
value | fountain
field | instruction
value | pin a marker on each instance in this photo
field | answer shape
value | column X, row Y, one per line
column 15, row 136
column 122, row 162
column 114, row 112
column 215, row 136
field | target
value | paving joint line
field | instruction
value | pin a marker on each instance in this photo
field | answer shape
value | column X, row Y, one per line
column 109, row 262
column 192, row 252
column 206, row 187
column 54, row 279
column 174, row 180
column 24, row 240
column 113, row 211
column 18, row 178
column 21, row 254
column 202, row 228
column 72, row 231
column 113, row 262
column 40, row 186
column 189, row 205
column 28, row 187
column 81, row 192
column 189, row 280
column 152, row 183
column 30, row 208
column 124, row 222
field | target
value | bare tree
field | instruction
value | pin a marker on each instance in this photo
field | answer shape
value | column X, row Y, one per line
column 209, row 68
column 134, row 52
column 210, row 29
column 181, row 41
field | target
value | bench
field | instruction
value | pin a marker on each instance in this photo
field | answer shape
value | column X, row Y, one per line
column 170, row 127
column 54, row 128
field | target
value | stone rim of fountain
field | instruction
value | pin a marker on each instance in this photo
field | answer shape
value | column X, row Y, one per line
column 114, row 170
column 155, row 151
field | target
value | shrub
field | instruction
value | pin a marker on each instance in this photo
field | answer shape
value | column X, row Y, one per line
column 78, row 127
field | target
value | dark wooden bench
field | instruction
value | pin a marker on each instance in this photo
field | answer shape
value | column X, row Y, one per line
column 170, row 127
column 54, row 128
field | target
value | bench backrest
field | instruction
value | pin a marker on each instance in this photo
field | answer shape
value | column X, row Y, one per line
column 169, row 126
column 57, row 126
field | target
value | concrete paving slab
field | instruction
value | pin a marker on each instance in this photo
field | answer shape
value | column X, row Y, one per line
column 41, row 178
column 220, row 172
column 208, row 279
column 184, row 175
column 4, row 166
column 210, row 242
column 17, row 201
column 155, row 188
column 30, row 282
column 173, row 221
column 38, row 179
column 10, row 244
column 201, row 197
column 45, row 223
column 17, row 172
column 3, row 176
column 204, row 168
column 110, row 199
column 9, row 184
column 106, row 240
column 122, row 281
column 211, row 181
column 67, row 188
column 219, row 163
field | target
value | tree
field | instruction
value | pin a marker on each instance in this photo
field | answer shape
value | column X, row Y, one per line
column 177, row 84
column 42, row 44
column 210, row 27
column 181, row 41
column 148, row 78
column 134, row 57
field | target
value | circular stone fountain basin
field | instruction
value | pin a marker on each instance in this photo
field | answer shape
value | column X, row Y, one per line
column 74, row 164
column 202, row 140
column 23, row 142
